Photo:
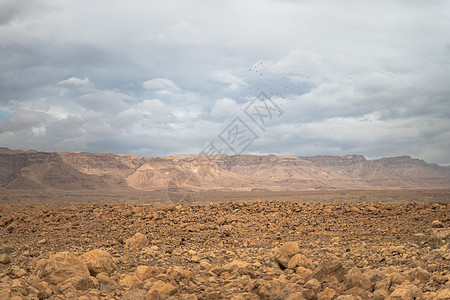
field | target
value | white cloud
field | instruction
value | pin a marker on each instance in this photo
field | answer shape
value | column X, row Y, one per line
column 163, row 84
column 225, row 76
column 76, row 81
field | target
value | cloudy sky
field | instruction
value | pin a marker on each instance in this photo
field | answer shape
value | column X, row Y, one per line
column 157, row 78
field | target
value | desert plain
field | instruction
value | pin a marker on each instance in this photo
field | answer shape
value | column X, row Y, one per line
column 229, row 245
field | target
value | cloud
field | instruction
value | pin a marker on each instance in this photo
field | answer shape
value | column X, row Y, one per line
column 366, row 78
column 234, row 82
column 161, row 84
column 75, row 81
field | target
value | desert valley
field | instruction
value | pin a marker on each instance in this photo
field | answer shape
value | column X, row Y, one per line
column 77, row 225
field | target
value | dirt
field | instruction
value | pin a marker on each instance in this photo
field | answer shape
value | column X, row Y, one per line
column 226, row 250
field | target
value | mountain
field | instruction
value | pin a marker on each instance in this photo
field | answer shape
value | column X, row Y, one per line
column 95, row 171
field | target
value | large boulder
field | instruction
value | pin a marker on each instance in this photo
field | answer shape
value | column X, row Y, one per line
column 99, row 261
column 60, row 267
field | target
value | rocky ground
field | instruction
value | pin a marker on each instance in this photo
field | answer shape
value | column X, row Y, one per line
column 234, row 250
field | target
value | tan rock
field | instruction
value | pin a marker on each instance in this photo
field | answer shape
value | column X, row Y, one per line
column 326, row 294
column 348, row 297
column 162, row 288
column 355, row 278
column 299, row 260
column 146, row 272
column 402, row 293
column 418, row 274
column 443, row 294
column 329, row 269
column 60, row 267
column 84, row 283
column 5, row 258
column 136, row 242
column 358, row 292
column 239, row 266
column 304, row 273
column 129, row 280
column 437, row 224
column 99, row 261
column 313, row 284
column 283, row 254
column 135, row 294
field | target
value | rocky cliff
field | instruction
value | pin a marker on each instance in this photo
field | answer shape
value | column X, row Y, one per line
column 81, row 170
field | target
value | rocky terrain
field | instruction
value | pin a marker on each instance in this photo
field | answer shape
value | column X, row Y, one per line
column 232, row 250
column 41, row 171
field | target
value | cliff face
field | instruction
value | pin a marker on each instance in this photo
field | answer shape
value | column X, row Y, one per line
column 39, row 170
column 81, row 170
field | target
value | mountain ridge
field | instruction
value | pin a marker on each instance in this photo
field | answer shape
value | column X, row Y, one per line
column 77, row 170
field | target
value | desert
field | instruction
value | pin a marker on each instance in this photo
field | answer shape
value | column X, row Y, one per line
column 76, row 230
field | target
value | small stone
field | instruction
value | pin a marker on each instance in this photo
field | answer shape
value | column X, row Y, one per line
column 137, row 242
column 437, row 224
column 5, row 258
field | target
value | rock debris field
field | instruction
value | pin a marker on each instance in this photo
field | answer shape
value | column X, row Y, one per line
column 235, row 250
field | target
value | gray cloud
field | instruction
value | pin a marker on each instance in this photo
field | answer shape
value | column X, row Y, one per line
column 164, row 78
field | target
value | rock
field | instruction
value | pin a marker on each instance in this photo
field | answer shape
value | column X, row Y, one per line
column 17, row 272
column 402, row 293
column 136, row 242
column 299, row 260
column 313, row 284
column 99, row 261
column 443, row 294
column 380, row 294
column 283, row 254
column 331, row 269
column 5, row 258
column 136, row 294
column 6, row 249
column 145, row 272
column 106, row 284
column 437, row 224
column 240, row 267
column 397, row 278
column 405, row 292
column 357, row 292
column 295, row 296
column 60, row 267
column 355, row 278
column 162, row 288
column 326, row 294
column 347, row 297
column 305, row 274
column 84, row 283
column 129, row 280
column 268, row 289
column 418, row 274
column 215, row 295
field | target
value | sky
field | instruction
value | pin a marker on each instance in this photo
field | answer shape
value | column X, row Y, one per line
column 158, row 78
